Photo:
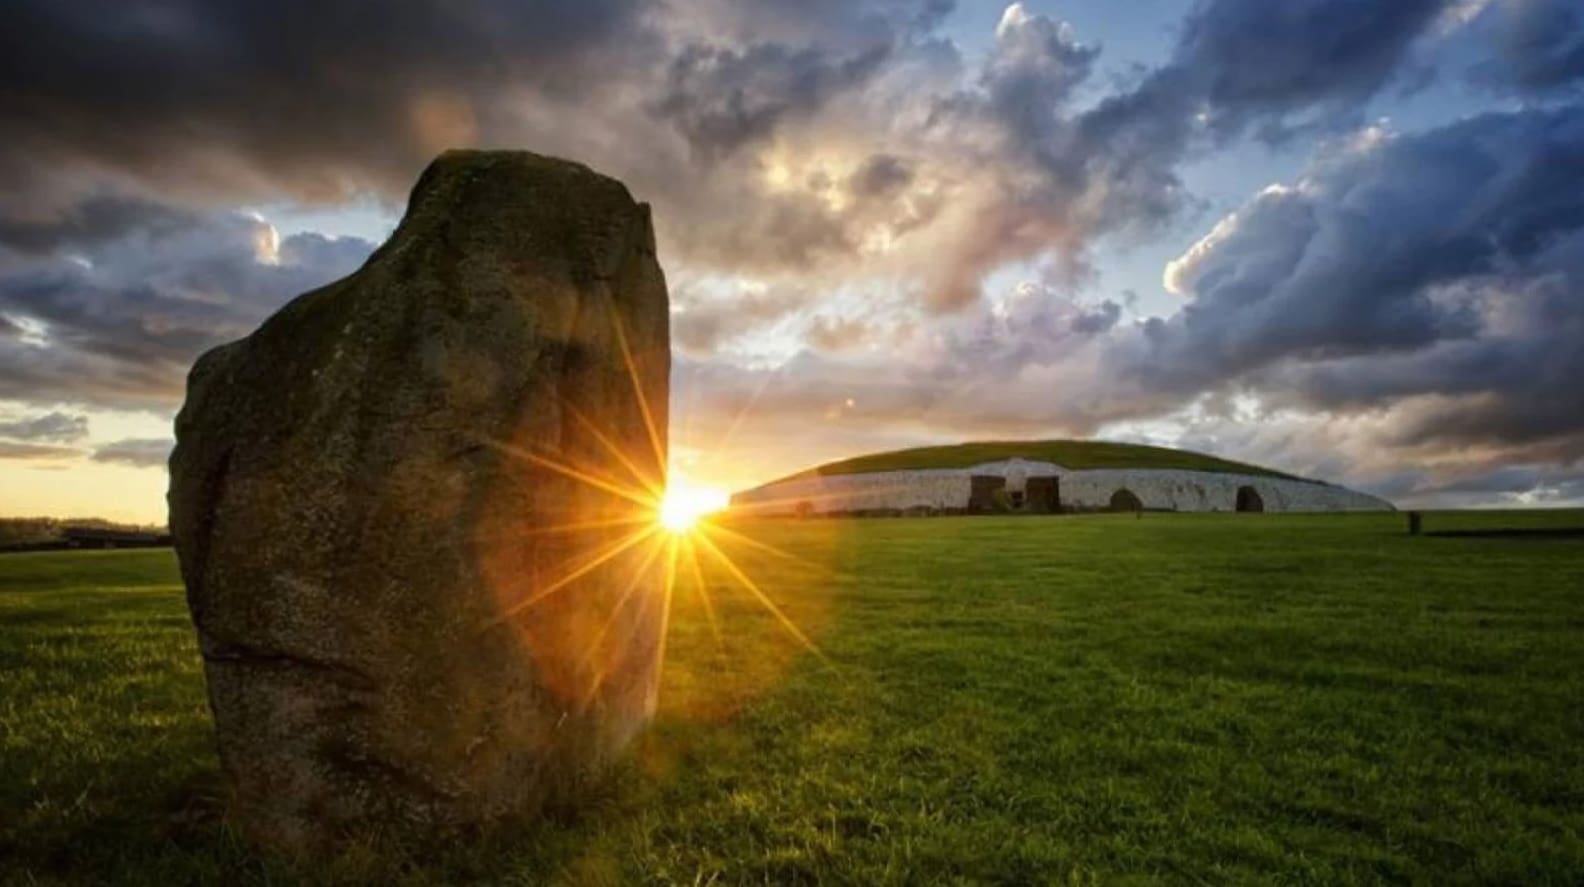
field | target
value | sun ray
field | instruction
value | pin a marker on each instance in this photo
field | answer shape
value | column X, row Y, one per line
column 655, row 488
column 668, row 592
column 583, row 526
column 593, row 646
column 704, row 594
column 766, row 547
column 606, row 554
column 737, row 420
column 568, row 527
column 592, row 480
column 764, row 599
column 642, row 398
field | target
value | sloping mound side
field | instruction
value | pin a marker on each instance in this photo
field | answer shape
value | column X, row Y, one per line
column 1075, row 454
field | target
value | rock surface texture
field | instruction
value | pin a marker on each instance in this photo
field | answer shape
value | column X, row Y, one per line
column 386, row 557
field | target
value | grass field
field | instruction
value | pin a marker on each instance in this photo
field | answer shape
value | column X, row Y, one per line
column 1101, row 699
column 1074, row 454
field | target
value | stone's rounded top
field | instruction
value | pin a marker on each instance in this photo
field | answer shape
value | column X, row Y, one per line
column 508, row 169
column 524, row 204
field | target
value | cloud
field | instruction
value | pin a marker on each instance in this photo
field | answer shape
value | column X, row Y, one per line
column 136, row 452
column 96, row 219
column 879, row 176
column 50, row 426
column 1025, row 364
column 1531, row 46
column 841, row 195
column 32, row 452
column 720, row 99
column 302, row 98
column 839, row 334
column 1250, row 61
column 1440, row 265
column 1409, row 300
column 709, row 314
column 120, row 311
column 1067, row 177
column 843, row 140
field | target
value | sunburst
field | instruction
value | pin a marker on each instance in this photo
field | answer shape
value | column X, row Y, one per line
column 669, row 533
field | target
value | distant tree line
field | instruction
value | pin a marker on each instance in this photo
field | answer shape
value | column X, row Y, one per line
column 43, row 533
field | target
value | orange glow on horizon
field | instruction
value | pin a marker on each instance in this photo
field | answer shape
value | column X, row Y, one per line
column 685, row 503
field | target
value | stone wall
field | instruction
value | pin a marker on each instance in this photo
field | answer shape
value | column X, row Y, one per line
column 947, row 489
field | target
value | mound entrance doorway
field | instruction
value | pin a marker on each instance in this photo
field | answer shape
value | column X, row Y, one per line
column 1248, row 499
column 1126, row 500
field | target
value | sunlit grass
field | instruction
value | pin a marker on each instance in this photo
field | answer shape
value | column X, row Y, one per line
column 1173, row 698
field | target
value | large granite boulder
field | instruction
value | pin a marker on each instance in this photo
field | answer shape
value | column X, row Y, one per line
column 397, row 580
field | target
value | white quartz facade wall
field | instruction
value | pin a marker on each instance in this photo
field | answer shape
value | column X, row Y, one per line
column 934, row 488
column 1166, row 489
column 1171, row 489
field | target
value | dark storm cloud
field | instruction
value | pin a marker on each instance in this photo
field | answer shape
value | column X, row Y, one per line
column 136, row 452
column 1241, row 64
column 1442, row 265
column 307, row 97
column 118, row 318
column 880, row 175
column 232, row 100
column 1534, row 46
column 57, row 426
column 1249, row 59
column 1098, row 320
column 95, row 219
column 720, row 99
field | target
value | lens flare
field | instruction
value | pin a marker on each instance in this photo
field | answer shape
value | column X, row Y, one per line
column 655, row 522
column 684, row 504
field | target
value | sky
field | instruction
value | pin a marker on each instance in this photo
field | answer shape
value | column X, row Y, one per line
column 1340, row 238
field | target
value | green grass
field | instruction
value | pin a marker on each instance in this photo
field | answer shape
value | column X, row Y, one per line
column 1102, row 699
column 1075, row 454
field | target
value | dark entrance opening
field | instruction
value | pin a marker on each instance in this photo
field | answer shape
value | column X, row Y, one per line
column 1016, row 498
column 1248, row 499
column 1043, row 495
column 1125, row 500
column 982, row 489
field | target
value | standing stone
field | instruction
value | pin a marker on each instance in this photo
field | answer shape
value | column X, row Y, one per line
column 386, row 556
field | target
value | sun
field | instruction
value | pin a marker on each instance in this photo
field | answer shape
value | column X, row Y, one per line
column 685, row 502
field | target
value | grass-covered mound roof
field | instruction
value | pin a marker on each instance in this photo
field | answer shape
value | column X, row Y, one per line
column 1074, row 454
